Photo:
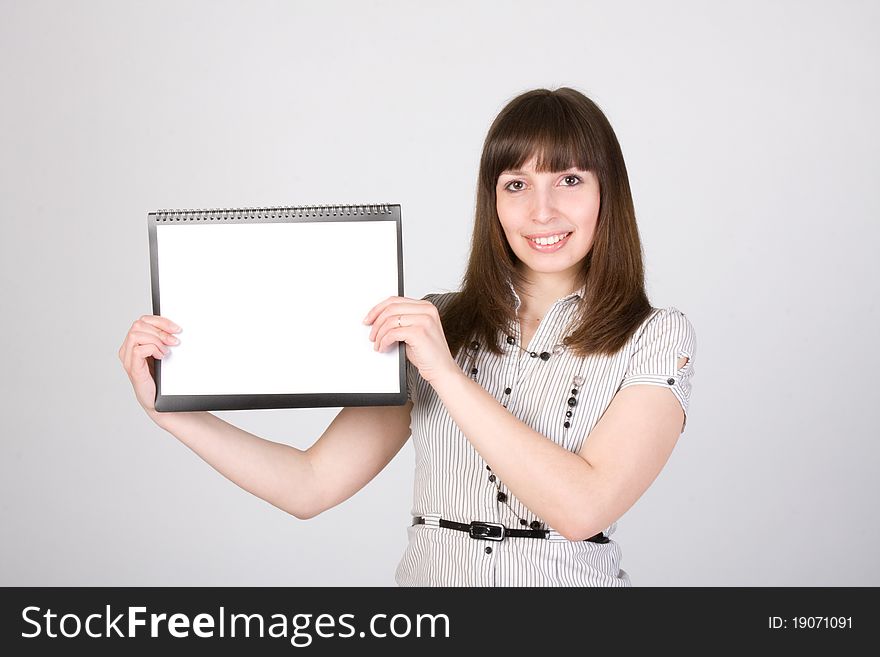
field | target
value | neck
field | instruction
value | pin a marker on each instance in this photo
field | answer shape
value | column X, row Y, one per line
column 542, row 291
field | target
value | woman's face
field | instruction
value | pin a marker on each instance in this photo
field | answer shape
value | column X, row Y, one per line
column 551, row 205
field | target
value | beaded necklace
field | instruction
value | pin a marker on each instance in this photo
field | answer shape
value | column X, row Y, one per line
column 577, row 381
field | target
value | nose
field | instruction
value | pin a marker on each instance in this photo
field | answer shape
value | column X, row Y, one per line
column 543, row 205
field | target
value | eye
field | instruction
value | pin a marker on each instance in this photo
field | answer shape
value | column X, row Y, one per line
column 514, row 182
column 571, row 177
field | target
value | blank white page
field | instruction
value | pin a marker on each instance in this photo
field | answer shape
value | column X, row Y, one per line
column 276, row 308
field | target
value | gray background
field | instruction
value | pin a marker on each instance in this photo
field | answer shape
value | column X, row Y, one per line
column 750, row 135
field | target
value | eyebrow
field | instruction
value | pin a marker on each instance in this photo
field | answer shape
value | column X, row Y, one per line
column 525, row 173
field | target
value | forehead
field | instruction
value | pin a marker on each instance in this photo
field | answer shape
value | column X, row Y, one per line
column 531, row 166
column 545, row 156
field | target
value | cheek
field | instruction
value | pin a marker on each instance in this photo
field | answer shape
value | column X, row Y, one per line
column 508, row 218
column 586, row 213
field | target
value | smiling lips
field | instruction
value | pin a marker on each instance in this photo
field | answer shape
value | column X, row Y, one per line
column 549, row 243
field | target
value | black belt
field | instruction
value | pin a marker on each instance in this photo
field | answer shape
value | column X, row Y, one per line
column 493, row 531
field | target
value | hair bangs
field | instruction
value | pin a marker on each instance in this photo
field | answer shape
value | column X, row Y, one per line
column 544, row 128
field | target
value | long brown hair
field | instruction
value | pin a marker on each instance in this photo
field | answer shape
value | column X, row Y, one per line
column 563, row 128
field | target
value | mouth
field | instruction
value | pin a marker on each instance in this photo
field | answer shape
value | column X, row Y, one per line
column 550, row 243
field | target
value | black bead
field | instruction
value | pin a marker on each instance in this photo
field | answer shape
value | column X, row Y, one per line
column 545, row 355
column 533, row 354
column 475, row 345
column 507, row 391
column 488, row 468
column 574, row 391
column 567, row 424
column 535, row 524
column 473, row 370
column 522, row 521
column 572, row 401
column 491, row 477
column 488, row 550
column 511, row 339
column 670, row 381
column 567, row 413
column 502, row 497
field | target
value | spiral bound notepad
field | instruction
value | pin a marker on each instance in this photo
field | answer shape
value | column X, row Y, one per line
column 271, row 303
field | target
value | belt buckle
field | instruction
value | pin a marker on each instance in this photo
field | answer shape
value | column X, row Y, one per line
column 486, row 531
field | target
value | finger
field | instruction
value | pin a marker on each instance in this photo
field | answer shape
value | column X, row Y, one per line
column 161, row 323
column 390, row 332
column 138, row 352
column 152, row 328
column 410, row 307
column 392, row 336
column 139, row 357
column 156, row 322
column 143, row 350
column 137, row 339
column 379, row 307
column 382, row 326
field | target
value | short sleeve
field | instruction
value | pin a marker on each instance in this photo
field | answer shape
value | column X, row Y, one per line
column 665, row 338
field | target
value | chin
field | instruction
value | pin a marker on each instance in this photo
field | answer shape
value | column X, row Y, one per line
column 550, row 262
column 547, row 267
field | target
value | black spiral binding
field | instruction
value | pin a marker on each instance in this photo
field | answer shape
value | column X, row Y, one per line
column 279, row 212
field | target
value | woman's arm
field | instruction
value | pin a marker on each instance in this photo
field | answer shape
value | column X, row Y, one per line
column 358, row 444
column 576, row 494
column 580, row 494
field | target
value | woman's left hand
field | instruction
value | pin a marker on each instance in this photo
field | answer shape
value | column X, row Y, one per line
column 417, row 323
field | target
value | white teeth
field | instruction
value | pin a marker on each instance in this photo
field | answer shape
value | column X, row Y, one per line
column 547, row 241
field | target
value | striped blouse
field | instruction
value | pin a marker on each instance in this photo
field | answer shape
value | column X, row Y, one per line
column 453, row 482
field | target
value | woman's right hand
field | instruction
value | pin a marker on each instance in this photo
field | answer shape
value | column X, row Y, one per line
column 147, row 340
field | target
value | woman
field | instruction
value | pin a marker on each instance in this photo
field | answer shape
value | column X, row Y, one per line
column 531, row 431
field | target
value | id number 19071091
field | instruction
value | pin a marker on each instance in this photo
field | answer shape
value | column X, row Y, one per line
column 809, row 623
